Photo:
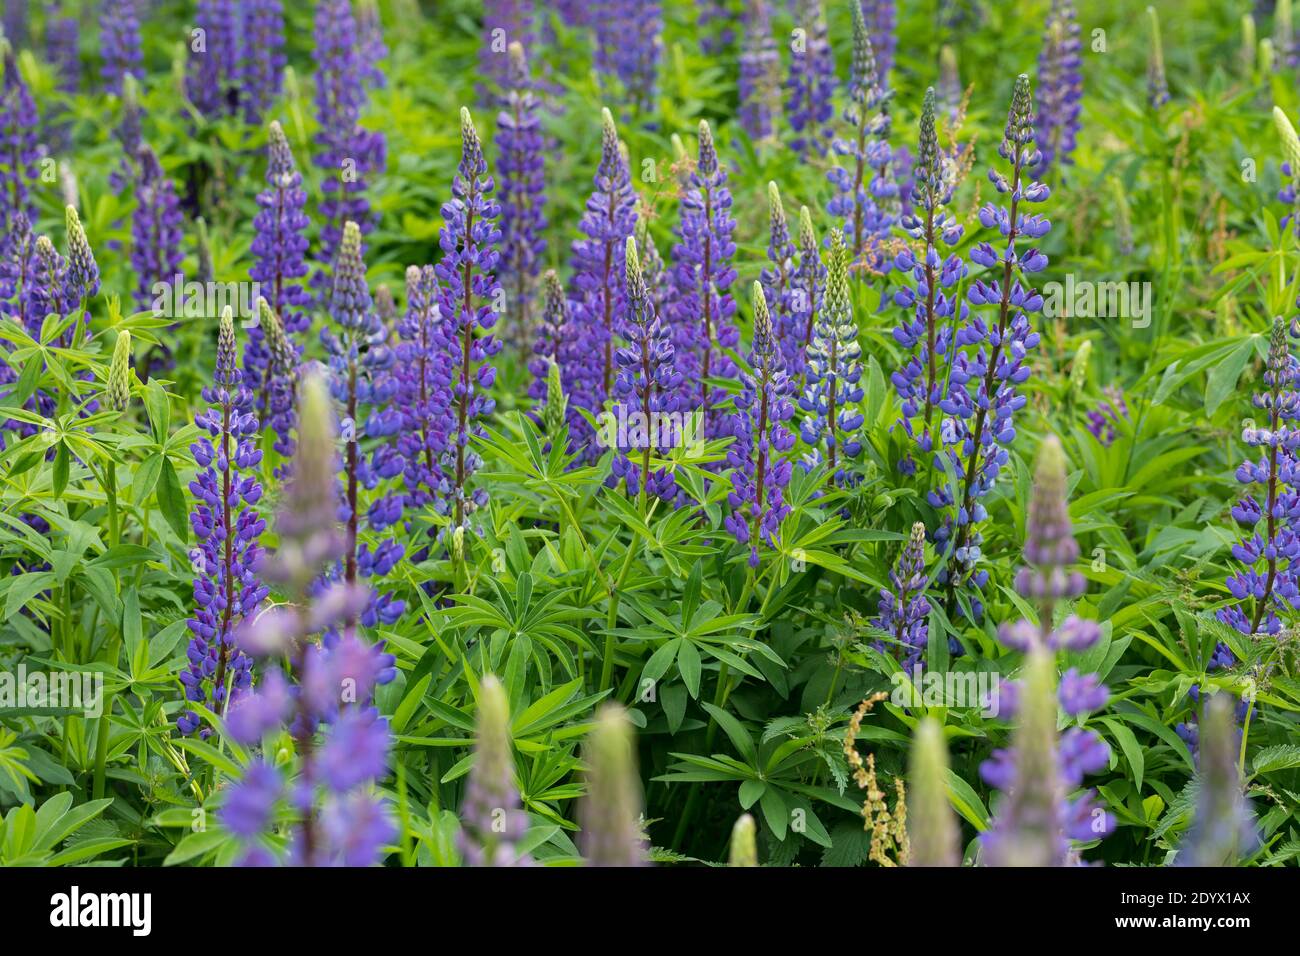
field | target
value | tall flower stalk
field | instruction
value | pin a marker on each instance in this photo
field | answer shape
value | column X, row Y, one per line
column 703, row 306
column 523, row 196
column 1266, row 583
column 19, row 144
column 1060, row 84
column 261, row 66
column 759, row 470
column 155, row 229
column 227, row 527
column 1223, row 826
column 1039, row 819
column 467, row 272
column 340, row 742
column 599, row 298
column 808, row 289
column 832, row 420
column 647, row 389
column 929, row 334
column 216, row 53
column 758, row 85
column 629, row 43
column 811, row 83
column 279, row 264
column 611, row 811
column 119, row 42
column 492, row 822
column 982, row 397
column 881, row 19
column 865, row 190
column 904, row 612
column 1157, row 84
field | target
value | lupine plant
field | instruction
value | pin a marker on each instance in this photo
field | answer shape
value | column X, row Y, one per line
column 361, row 458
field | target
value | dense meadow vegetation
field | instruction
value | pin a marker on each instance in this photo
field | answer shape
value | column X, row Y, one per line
column 750, row 432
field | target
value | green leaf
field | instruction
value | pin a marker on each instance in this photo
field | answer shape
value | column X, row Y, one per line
column 171, row 501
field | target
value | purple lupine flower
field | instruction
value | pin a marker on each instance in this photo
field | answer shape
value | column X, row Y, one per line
column 647, row 390
column 811, row 82
column 216, row 53
column 155, row 228
column 17, row 249
column 1157, row 84
column 17, row 16
column 348, row 153
column 51, row 290
column 1223, row 826
column 549, row 335
column 492, row 821
column 1104, row 420
column 880, row 17
column 759, row 83
column 19, row 129
column 599, row 289
column 342, row 745
column 423, row 374
column 279, row 264
column 714, row 42
column 831, row 417
column 227, row 526
column 468, row 287
column 119, row 42
column 808, row 289
column 371, row 45
column 759, row 472
column 927, row 335
column 360, row 362
column 629, row 43
column 1038, row 820
column 702, row 274
column 1267, row 517
column 1060, row 85
column 505, row 23
column 904, row 611
column 777, row 277
column 866, row 190
column 261, row 67
column 523, row 195
column 129, row 134
column 990, row 362
column 63, row 47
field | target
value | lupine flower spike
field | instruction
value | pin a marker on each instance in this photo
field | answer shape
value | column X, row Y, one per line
column 341, row 744
column 523, row 198
column 928, row 333
column 831, row 417
column 1060, row 85
column 982, row 397
column 811, row 83
column 119, row 373
column 20, row 129
column 1223, row 825
column 1267, row 583
column 468, row 289
column 759, row 83
column 759, row 470
column 1157, row 85
column 866, row 189
column 933, row 831
column 227, row 526
column 744, row 846
column 611, row 811
column 647, row 388
column 904, row 611
column 1038, row 820
column 492, row 821
column 808, row 288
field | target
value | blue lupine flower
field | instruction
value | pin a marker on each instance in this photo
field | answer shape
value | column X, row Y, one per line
column 758, row 85
column 227, row 526
column 904, row 611
column 19, row 131
column 990, row 361
column 759, row 470
column 119, row 42
column 927, row 334
column 832, row 419
column 811, row 82
column 1060, row 86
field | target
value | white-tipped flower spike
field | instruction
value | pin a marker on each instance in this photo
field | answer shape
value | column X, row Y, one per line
column 119, row 373
column 1249, row 44
column 1290, row 141
column 744, row 846
column 1223, row 828
column 1266, row 56
column 277, row 343
column 611, row 810
column 932, row 830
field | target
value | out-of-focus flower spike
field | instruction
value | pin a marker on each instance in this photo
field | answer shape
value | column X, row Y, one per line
column 611, row 810
column 933, row 832
column 1223, row 826
column 744, row 845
